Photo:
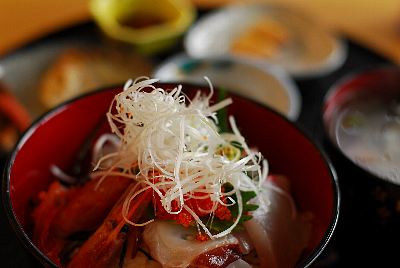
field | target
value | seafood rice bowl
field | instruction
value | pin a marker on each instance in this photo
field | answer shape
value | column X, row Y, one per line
column 166, row 175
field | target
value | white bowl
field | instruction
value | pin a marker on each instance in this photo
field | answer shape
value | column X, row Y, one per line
column 309, row 50
column 264, row 83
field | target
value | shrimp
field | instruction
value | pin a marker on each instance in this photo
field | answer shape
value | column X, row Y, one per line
column 104, row 247
column 89, row 205
column 64, row 211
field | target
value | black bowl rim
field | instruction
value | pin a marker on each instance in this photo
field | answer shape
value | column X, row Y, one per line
column 336, row 86
column 33, row 249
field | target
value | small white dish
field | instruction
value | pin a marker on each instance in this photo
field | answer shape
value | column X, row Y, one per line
column 267, row 34
column 267, row 84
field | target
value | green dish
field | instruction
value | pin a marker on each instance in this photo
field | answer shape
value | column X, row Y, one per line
column 150, row 26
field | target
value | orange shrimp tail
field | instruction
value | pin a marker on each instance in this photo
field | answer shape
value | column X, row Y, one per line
column 89, row 205
column 104, row 246
column 64, row 211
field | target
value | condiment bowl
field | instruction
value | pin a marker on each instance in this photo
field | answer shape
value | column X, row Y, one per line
column 150, row 26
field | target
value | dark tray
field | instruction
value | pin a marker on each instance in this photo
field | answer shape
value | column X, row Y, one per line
column 367, row 233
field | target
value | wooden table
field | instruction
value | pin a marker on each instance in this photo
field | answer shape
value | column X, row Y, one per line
column 22, row 21
column 375, row 24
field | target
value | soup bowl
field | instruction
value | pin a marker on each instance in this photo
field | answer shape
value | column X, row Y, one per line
column 361, row 115
column 56, row 137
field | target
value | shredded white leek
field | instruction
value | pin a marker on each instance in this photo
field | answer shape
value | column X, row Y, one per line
column 174, row 143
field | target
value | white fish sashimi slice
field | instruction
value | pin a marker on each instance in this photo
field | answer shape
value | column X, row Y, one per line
column 279, row 234
column 245, row 244
column 239, row 264
column 141, row 261
column 173, row 245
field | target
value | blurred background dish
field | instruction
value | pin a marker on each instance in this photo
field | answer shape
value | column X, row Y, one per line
column 373, row 25
column 66, row 65
column 264, row 83
column 150, row 26
column 14, row 120
column 78, row 70
column 267, row 34
column 362, row 117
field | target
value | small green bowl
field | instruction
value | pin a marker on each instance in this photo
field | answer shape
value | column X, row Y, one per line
column 150, row 26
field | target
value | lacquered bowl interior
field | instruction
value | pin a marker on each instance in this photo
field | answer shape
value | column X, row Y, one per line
column 57, row 136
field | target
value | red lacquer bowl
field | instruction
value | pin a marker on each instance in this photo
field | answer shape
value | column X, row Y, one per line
column 56, row 137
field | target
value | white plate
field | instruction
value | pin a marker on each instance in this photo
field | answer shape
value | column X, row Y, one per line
column 23, row 69
column 266, row 84
column 309, row 50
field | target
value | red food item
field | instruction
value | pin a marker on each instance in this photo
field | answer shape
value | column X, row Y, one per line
column 51, row 202
column 202, row 237
column 64, row 211
column 223, row 213
column 218, row 257
column 183, row 218
column 105, row 245
column 88, row 205
column 200, row 206
column 13, row 110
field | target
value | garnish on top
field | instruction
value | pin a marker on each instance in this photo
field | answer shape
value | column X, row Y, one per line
column 172, row 145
